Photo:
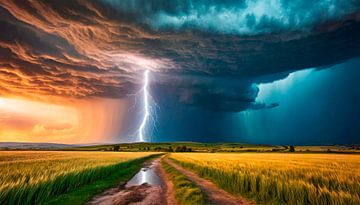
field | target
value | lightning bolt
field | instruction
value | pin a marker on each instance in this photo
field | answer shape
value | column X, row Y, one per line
column 146, row 106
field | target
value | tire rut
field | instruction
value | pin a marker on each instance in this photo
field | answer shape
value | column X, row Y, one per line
column 215, row 194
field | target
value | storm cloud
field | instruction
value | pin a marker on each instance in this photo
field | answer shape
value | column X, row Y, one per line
column 215, row 50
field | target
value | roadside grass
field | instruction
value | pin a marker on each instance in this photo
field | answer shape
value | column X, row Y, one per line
column 281, row 178
column 75, row 187
column 186, row 192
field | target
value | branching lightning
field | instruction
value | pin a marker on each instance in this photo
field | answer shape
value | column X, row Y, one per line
column 146, row 106
column 149, row 109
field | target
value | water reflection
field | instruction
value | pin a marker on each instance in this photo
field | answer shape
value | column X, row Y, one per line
column 145, row 175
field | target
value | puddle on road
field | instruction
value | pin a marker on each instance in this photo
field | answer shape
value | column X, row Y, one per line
column 145, row 175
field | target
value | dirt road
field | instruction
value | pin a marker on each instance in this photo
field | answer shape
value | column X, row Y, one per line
column 215, row 195
column 149, row 187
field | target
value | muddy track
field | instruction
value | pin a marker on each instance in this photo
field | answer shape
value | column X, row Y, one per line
column 168, row 185
column 140, row 194
column 215, row 194
column 161, row 193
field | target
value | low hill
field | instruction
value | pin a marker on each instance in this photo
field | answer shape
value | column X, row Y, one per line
column 29, row 145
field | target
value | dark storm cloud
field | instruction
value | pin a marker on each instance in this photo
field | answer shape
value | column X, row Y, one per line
column 100, row 48
column 231, row 16
column 220, row 94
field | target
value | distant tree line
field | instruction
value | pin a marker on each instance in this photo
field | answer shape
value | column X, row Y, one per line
column 117, row 148
column 170, row 149
column 284, row 148
column 147, row 148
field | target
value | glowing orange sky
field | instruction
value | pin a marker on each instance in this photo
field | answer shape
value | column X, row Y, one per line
column 96, row 120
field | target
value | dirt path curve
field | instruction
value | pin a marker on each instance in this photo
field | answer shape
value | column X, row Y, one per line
column 140, row 194
column 215, row 195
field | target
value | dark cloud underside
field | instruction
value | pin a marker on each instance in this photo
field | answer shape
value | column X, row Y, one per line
column 194, row 48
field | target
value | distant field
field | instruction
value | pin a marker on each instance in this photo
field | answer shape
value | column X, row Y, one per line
column 214, row 147
column 281, row 177
column 34, row 175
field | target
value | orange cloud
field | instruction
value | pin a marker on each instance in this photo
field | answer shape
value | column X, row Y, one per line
column 44, row 51
column 78, row 122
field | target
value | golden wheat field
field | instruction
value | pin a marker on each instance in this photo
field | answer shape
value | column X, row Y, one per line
column 33, row 173
column 281, row 178
column 19, row 167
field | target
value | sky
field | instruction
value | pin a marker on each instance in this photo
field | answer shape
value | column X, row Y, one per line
column 254, row 71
